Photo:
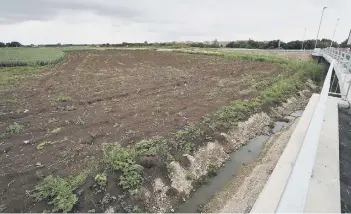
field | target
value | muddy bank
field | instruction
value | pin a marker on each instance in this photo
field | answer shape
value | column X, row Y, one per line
column 237, row 185
column 240, row 194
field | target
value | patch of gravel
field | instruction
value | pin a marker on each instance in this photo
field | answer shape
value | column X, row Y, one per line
column 247, row 130
column 212, row 154
column 178, row 176
column 162, row 202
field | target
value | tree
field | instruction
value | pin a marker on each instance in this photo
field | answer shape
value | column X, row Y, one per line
column 13, row 44
column 271, row 44
column 2, row 45
column 293, row 45
column 215, row 44
column 344, row 44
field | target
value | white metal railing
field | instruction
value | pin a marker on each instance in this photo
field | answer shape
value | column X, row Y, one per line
column 342, row 70
column 342, row 56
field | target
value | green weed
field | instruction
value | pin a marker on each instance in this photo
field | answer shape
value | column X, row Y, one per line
column 59, row 191
column 63, row 98
column 101, row 179
column 14, row 128
column 124, row 160
column 8, row 101
column 151, row 147
column 228, row 116
column 185, row 139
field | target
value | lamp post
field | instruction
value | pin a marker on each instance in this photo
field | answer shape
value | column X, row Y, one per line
column 320, row 22
column 336, row 25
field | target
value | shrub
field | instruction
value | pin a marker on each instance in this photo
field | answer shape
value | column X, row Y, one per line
column 227, row 116
column 14, row 128
column 59, row 191
column 185, row 139
column 151, row 147
column 123, row 159
column 101, row 179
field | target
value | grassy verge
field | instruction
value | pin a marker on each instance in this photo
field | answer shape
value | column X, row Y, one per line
column 11, row 75
column 288, row 85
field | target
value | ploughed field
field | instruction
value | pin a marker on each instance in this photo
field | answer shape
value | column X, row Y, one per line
column 57, row 121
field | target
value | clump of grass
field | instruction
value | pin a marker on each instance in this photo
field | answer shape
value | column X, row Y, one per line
column 124, row 160
column 227, row 116
column 42, row 145
column 151, row 147
column 63, row 98
column 59, row 191
column 7, row 101
column 185, row 139
column 14, row 128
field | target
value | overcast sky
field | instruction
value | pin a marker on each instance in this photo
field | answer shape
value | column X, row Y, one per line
column 116, row 21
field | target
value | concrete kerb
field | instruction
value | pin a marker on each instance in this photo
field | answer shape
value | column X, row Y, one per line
column 269, row 198
column 324, row 186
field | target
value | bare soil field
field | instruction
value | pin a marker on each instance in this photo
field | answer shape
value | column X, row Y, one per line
column 60, row 118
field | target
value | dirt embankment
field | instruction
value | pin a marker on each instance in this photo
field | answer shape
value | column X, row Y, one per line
column 60, row 118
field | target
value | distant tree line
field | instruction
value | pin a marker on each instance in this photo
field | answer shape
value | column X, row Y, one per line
column 10, row 44
column 250, row 44
column 274, row 44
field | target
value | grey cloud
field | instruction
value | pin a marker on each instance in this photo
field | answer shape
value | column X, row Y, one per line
column 23, row 10
column 169, row 20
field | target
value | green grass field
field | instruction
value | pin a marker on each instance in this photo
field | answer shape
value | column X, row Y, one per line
column 34, row 56
column 10, row 57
